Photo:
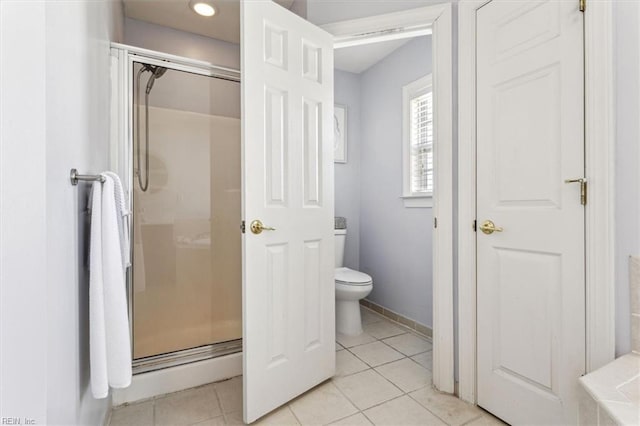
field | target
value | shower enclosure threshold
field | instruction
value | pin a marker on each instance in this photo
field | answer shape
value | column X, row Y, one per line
column 186, row 356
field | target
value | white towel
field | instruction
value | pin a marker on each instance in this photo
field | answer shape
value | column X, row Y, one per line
column 123, row 218
column 111, row 344
column 97, row 332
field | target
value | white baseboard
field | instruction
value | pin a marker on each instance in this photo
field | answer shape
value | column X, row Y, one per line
column 154, row 383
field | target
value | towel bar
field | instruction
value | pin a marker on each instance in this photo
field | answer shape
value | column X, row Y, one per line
column 75, row 177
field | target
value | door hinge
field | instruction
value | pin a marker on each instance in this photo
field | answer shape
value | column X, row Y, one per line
column 583, row 189
column 583, row 5
column 435, row 222
column 474, row 226
column 242, row 226
column 583, row 192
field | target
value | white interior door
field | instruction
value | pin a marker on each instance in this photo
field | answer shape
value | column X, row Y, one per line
column 531, row 279
column 287, row 137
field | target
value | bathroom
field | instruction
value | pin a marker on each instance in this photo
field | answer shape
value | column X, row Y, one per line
column 389, row 232
column 186, row 272
column 71, row 100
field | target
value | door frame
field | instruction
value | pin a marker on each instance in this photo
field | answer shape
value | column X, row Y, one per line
column 599, row 170
column 437, row 20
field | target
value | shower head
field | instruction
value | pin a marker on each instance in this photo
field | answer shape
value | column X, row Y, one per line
column 156, row 72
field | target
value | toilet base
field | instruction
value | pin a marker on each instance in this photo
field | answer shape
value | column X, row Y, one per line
column 348, row 320
column 348, row 298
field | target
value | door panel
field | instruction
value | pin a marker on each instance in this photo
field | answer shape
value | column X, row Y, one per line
column 526, row 356
column 538, row 140
column 530, row 103
column 275, row 140
column 288, row 288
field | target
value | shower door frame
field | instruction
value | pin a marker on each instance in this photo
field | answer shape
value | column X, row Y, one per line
column 121, row 160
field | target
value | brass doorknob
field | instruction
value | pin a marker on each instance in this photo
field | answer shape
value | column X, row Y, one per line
column 257, row 227
column 489, row 227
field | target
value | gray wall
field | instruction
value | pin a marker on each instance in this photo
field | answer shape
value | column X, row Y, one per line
column 395, row 241
column 23, row 300
column 347, row 175
column 78, row 117
column 55, row 100
column 385, row 239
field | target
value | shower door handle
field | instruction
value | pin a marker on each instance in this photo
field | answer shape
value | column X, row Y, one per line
column 257, row 227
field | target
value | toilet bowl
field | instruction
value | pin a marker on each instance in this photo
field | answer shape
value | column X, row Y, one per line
column 351, row 287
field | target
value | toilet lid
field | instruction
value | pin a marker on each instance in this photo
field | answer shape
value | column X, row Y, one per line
column 351, row 277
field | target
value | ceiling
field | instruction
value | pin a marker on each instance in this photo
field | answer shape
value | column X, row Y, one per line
column 358, row 59
column 224, row 25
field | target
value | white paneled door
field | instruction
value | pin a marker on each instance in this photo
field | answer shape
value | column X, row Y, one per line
column 531, row 268
column 287, row 137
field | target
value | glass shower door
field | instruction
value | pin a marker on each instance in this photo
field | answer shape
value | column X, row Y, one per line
column 186, row 275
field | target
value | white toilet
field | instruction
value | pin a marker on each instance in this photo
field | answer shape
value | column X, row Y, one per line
column 351, row 286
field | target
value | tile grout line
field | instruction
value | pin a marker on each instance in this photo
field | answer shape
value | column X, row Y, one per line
column 390, row 382
column 401, row 326
column 384, row 317
column 222, row 410
column 483, row 413
column 437, row 416
column 427, row 408
column 382, row 341
column 384, row 402
column 337, row 376
column 384, row 363
column 348, row 399
column 358, row 408
column 403, row 393
column 379, row 404
column 293, row 413
column 472, row 420
column 411, row 334
column 402, row 329
column 367, row 417
column 421, row 353
column 402, row 359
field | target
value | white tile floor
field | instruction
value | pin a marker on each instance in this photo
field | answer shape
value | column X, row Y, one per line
column 383, row 377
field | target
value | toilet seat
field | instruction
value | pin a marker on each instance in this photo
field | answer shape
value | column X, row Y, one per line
column 346, row 276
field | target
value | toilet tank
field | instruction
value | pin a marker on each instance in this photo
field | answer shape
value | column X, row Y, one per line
column 340, row 240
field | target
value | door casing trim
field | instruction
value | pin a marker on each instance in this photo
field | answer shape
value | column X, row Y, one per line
column 437, row 18
column 599, row 170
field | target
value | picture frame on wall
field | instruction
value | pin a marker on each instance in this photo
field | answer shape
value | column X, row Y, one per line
column 340, row 133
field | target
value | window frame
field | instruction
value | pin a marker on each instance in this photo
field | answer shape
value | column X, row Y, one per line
column 409, row 92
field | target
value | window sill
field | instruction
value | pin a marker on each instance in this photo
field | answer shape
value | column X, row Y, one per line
column 417, row 201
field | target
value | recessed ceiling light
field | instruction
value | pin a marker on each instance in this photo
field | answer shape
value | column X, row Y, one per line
column 202, row 7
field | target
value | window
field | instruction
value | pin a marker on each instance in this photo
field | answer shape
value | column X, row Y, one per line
column 418, row 143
